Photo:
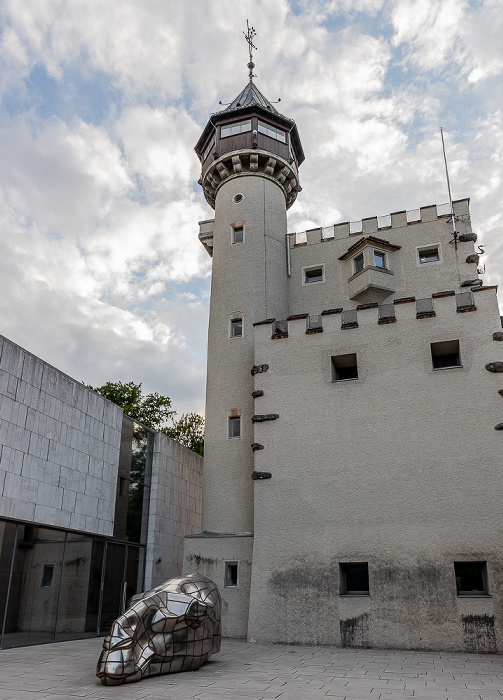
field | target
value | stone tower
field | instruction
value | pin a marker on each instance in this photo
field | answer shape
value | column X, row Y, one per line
column 250, row 154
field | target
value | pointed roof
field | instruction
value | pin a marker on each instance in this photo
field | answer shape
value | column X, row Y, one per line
column 250, row 97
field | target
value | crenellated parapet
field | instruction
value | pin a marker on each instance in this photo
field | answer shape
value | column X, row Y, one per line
column 251, row 162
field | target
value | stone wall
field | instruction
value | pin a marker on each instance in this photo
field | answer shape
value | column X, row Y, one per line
column 59, row 446
column 175, row 507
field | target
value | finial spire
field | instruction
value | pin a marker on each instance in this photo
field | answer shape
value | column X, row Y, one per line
column 249, row 36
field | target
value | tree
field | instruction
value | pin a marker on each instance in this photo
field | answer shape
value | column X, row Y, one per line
column 189, row 431
column 154, row 411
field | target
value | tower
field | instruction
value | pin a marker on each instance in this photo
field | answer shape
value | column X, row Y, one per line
column 250, row 154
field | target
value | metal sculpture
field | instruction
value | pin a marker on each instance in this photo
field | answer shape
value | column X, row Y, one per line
column 174, row 627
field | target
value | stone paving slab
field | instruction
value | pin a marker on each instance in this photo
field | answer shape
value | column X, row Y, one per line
column 258, row 672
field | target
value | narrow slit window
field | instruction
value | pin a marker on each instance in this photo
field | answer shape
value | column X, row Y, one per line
column 445, row 354
column 236, row 330
column 238, row 234
column 231, row 574
column 235, row 427
column 359, row 263
column 354, row 579
column 47, row 576
column 344, row 367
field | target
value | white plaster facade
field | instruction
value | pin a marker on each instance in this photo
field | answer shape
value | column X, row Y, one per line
column 394, row 467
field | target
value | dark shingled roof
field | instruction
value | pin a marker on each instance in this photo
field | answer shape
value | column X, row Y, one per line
column 249, row 97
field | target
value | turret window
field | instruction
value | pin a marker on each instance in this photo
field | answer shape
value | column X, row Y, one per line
column 236, row 128
column 236, row 328
column 238, row 234
column 271, row 131
column 234, row 427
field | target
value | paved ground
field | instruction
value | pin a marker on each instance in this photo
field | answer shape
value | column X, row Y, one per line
column 241, row 670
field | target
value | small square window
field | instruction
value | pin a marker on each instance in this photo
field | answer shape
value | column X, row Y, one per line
column 47, row 576
column 231, row 574
column 379, row 259
column 445, row 354
column 238, row 234
column 344, row 367
column 427, row 255
column 471, row 577
column 313, row 274
column 354, row 579
column 236, row 329
column 235, row 427
column 359, row 263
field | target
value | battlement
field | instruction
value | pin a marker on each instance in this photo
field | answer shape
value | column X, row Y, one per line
column 375, row 224
column 407, row 309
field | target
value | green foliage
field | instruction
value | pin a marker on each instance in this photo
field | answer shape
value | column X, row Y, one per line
column 189, row 431
column 153, row 410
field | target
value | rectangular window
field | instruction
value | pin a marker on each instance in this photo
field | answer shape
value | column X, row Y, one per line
column 344, row 367
column 238, row 234
column 313, row 274
column 235, row 427
column 47, row 576
column 379, row 259
column 354, row 579
column 271, row 131
column 471, row 577
column 236, row 328
column 209, row 148
column 427, row 255
column 231, row 574
column 236, row 128
column 445, row 354
column 359, row 263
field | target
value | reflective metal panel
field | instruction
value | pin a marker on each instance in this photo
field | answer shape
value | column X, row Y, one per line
column 174, row 627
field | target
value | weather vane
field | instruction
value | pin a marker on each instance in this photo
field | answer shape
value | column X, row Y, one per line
column 249, row 36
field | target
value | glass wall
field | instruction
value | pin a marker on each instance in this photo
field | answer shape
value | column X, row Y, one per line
column 57, row 585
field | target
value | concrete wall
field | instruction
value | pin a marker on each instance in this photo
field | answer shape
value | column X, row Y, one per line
column 400, row 468
column 174, row 510
column 59, row 446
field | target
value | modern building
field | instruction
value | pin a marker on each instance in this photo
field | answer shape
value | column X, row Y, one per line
column 93, row 506
column 352, row 489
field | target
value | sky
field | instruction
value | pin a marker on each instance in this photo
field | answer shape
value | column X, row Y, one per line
column 101, row 103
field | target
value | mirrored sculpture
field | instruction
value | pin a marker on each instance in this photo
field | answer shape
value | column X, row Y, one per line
column 174, row 627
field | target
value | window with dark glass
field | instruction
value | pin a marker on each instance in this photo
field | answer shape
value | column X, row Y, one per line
column 344, row 367
column 445, row 354
column 359, row 263
column 238, row 234
column 236, row 330
column 236, row 128
column 231, row 574
column 354, row 579
column 313, row 274
column 379, row 259
column 235, row 427
column 271, row 131
column 428, row 255
column 47, row 576
column 471, row 577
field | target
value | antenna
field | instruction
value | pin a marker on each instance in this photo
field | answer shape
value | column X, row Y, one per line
column 454, row 232
column 249, row 36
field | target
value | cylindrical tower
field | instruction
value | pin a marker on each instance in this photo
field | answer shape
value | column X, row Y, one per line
column 250, row 156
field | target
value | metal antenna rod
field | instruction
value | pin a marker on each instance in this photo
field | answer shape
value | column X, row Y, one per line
column 454, row 232
column 249, row 36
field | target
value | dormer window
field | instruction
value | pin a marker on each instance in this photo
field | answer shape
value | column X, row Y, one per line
column 236, row 128
column 271, row 131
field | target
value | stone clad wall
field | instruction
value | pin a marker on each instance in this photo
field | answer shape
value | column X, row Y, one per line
column 175, row 508
column 59, row 446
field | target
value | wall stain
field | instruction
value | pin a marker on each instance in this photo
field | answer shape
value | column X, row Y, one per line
column 479, row 635
column 198, row 560
column 355, row 631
